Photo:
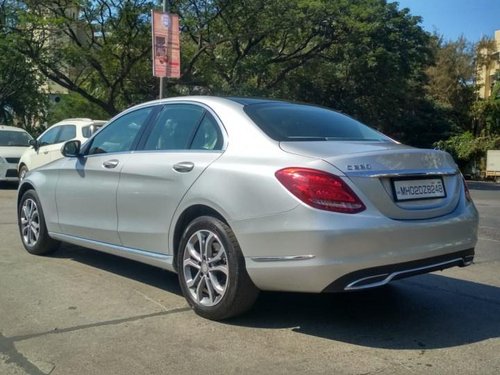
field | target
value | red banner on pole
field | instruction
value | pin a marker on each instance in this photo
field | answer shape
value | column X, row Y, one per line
column 166, row 45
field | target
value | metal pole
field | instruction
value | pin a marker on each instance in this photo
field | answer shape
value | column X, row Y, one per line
column 161, row 78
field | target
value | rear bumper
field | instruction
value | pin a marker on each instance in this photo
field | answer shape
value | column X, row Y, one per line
column 378, row 276
column 307, row 250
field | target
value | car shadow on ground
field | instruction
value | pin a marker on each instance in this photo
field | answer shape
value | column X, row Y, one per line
column 424, row 312
column 144, row 273
column 480, row 185
column 8, row 185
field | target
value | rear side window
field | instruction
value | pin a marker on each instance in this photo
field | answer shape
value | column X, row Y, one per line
column 208, row 136
column 295, row 122
column 175, row 127
column 88, row 130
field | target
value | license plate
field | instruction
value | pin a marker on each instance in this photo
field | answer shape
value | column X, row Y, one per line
column 429, row 188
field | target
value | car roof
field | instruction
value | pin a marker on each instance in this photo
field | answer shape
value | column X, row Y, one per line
column 79, row 121
column 207, row 99
column 12, row 128
column 248, row 101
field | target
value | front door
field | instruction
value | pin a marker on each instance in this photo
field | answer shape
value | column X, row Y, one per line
column 87, row 187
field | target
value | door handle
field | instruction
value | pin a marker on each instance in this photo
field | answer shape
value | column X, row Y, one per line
column 183, row 167
column 110, row 163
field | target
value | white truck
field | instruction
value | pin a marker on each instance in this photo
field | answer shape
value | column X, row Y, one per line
column 493, row 165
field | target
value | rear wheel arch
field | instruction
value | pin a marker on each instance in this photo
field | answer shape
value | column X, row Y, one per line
column 187, row 216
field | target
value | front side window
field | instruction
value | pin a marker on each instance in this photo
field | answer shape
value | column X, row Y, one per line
column 175, row 127
column 14, row 138
column 120, row 135
column 67, row 132
column 49, row 137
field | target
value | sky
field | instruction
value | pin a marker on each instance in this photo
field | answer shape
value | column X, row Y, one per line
column 452, row 18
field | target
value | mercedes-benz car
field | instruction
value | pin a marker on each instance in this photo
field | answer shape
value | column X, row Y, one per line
column 239, row 195
column 13, row 142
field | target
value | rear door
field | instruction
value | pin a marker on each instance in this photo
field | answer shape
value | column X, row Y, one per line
column 182, row 142
column 87, row 187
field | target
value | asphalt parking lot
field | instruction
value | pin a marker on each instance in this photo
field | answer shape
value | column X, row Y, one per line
column 84, row 312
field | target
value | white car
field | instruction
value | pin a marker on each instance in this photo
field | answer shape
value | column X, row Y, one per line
column 47, row 146
column 13, row 142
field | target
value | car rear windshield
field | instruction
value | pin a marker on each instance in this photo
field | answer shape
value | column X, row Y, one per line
column 14, row 138
column 287, row 122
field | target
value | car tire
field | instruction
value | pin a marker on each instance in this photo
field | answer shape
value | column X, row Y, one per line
column 22, row 172
column 212, row 271
column 32, row 228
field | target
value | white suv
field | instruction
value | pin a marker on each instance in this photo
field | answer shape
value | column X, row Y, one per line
column 47, row 146
column 13, row 142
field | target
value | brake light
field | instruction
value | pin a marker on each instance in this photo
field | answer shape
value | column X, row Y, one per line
column 320, row 190
column 466, row 190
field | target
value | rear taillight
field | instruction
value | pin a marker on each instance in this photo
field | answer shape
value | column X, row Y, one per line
column 466, row 190
column 320, row 190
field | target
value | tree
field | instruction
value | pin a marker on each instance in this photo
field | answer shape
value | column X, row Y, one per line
column 74, row 105
column 451, row 81
column 363, row 57
column 21, row 102
column 97, row 49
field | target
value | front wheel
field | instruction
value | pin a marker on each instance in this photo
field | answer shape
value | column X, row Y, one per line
column 32, row 228
column 212, row 271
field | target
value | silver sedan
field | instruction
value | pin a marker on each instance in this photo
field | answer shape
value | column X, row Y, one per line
column 238, row 195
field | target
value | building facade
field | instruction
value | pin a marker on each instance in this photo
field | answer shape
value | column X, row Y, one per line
column 488, row 67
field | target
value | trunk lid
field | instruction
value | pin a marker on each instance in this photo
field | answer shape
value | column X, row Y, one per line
column 379, row 169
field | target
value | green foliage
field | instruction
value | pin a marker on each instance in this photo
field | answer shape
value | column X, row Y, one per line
column 466, row 147
column 364, row 57
column 98, row 49
column 74, row 105
column 451, row 81
column 21, row 102
column 487, row 113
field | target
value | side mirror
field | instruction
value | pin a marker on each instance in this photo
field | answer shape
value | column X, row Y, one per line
column 71, row 149
column 34, row 143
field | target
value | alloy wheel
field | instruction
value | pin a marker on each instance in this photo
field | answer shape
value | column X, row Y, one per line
column 30, row 222
column 205, row 267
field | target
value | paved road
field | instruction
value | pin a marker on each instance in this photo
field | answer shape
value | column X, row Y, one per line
column 83, row 312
